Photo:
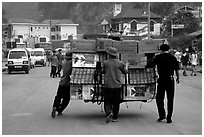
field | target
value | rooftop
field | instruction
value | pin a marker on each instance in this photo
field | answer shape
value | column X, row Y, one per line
column 135, row 13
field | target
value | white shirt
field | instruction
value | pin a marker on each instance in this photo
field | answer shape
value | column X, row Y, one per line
column 194, row 59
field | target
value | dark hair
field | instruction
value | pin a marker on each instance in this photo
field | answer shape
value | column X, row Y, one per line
column 164, row 47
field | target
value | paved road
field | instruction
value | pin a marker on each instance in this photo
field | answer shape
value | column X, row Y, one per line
column 27, row 101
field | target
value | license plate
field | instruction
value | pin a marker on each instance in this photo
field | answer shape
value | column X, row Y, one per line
column 18, row 66
column 18, row 63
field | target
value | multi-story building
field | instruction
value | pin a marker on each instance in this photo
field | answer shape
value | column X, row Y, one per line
column 29, row 31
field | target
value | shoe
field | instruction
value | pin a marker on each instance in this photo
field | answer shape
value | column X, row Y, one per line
column 109, row 118
column 194, row 74
column 53, row 114
column 60, row 114
column 160, row 119
column 169, row 121
column 115, row 120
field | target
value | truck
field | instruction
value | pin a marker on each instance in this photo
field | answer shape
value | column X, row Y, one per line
column 87, row 81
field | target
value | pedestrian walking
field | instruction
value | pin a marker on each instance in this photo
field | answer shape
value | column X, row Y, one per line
column 166, row 64
column 194, row 61
column 60, row 61
column 62, row 98
column 184, row 61
column 54, row 63
column 49, row 57
column 113, row 68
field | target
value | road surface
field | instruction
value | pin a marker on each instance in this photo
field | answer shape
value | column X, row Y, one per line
column 27, row 101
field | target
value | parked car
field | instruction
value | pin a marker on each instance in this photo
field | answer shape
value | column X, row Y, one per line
column 39, row 56
column 18, row 60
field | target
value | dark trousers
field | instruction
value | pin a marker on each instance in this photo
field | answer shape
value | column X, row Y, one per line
column 53, row 71
column 112, row 99
column 62, row 98
column 59, row 70
column 165, row 84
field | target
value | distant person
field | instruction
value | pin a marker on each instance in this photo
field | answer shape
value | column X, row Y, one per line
column 166, row 64
column 54, row 63
column 184, row 61
column 62, row 98
column 113, row 68
column 60, row 61
column 49, row 55
column 194, row 61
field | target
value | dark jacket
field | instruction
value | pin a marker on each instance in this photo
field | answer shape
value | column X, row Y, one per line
column 67, row 70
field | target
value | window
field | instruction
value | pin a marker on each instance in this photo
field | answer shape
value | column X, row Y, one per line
column 17, row 40
column 37, row 53
column 20, row 36
column 133, row 26
column 151, row 25
column 52, row 37
column 42, row 39
column 31, row 28
column 38, row 27
column 17, row 54
column 52, row 29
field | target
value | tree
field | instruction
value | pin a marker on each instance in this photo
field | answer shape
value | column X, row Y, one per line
column 191, row 24
column 162, row 8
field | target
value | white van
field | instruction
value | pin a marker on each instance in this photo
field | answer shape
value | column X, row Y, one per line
column 32, row 61
column 39, row 56
column 18, row 60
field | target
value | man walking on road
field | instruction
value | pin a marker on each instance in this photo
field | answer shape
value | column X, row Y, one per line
column 166, row 64
column 113, row 68
column 62, row 98
column 54, row 63
column 184, row 61
column 60, row 61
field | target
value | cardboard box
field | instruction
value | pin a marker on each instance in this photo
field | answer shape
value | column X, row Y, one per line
column 126, row 46
column 103, row 44
column 149, row 46
column 82, row 45
column 138, row 60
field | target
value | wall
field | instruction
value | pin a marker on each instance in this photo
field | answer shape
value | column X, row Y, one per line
column 21, row 29
column 40, row 30
column 68, row 30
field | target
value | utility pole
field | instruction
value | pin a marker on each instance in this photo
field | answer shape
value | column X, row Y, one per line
column 172, row 28
column 148, row 20
column 50, row 29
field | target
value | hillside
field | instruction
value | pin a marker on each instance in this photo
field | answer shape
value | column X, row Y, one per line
column 86, row 14
column 21, row 10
